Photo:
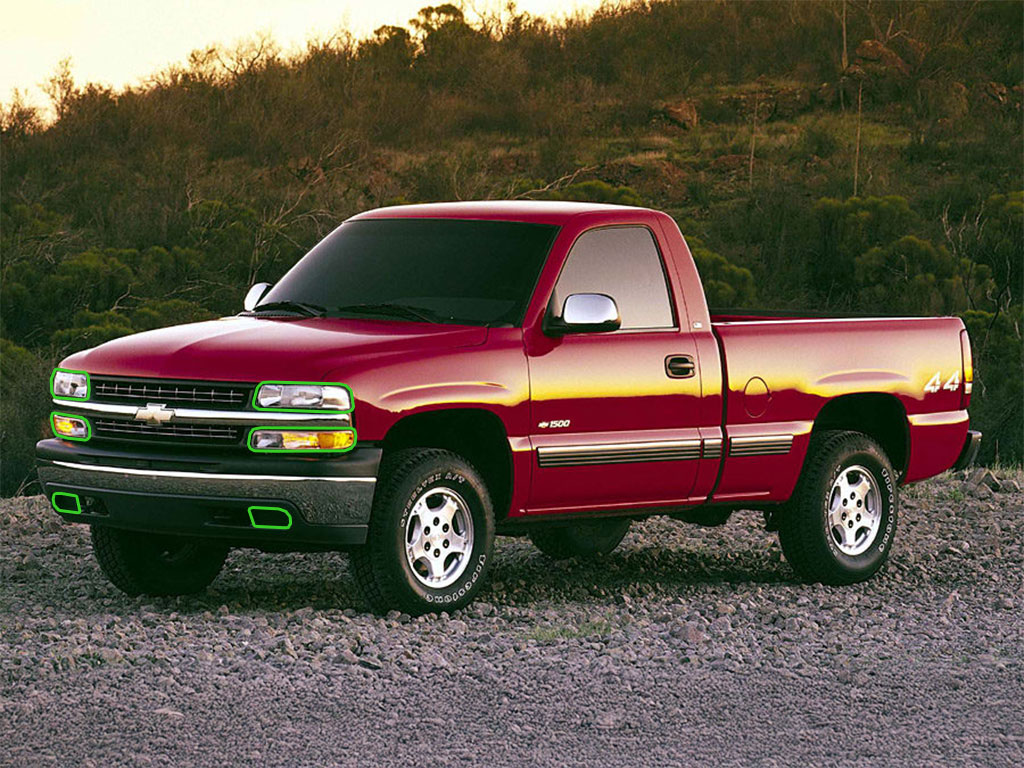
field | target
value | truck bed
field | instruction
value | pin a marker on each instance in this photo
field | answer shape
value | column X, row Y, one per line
column 780, row 372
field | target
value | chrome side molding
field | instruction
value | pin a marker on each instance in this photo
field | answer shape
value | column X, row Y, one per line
column 760, row 445
column 663, row 450
column 618, row 453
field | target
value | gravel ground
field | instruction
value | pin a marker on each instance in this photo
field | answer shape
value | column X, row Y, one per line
column 685, row 646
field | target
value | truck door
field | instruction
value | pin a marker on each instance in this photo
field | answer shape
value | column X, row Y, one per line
column 614, row 414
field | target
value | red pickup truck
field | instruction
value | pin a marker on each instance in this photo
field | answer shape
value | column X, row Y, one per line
column 429, row 376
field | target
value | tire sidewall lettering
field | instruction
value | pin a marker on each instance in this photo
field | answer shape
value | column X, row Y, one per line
column 884, row 537
column 460, row 589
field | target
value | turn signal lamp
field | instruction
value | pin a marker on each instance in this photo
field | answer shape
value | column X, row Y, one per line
column 69, row 427
column 307, row 440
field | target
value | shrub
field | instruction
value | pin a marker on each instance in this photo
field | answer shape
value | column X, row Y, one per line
column 24, row 392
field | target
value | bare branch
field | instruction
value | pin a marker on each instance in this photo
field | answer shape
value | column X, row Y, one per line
column 561, row 181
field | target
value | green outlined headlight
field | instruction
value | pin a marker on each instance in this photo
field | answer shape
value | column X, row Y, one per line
column 69, row 385
column 302, row 396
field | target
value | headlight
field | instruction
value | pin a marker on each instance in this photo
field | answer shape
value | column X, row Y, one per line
column 69, row 384
column 70, row 427
column 298, row 396
column 318, row 440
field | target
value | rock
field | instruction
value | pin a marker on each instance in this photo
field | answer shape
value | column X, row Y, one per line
column 286, row 645
column 721, row 625
column 875, row 55
column 681, row 112
column 346, row 656
column 982, row 492
column 435, row 659
column 692, row 632
column 983, row 476
column 976, row 475
column 168, row 712
column 730, row 162
column 1009, row 486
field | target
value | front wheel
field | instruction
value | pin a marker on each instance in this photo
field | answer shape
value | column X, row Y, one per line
column 840, row 525
column 431, row 534
column 155, row 564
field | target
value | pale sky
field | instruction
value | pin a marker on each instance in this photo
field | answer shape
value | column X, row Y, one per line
column 120, row 42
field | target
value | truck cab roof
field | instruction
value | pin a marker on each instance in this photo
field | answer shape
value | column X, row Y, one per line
column 535, row 211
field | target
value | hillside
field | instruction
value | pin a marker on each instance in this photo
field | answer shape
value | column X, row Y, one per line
column 881, row 176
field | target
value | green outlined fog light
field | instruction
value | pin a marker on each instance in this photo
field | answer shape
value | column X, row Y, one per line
column 69, row 427
column 68, row 503
column 270, row 518
column 275, row 440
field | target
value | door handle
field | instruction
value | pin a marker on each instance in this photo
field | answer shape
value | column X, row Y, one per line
column 679, row 366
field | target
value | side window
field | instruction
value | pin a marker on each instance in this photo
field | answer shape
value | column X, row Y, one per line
column 624, row 263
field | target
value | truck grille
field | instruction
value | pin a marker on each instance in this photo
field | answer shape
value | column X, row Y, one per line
column 205, row 394
column 192, row 434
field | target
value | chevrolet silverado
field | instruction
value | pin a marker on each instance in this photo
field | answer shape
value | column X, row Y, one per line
column 429, row 376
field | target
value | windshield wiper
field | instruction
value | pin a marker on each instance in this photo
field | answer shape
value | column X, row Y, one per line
column 393, row 310
column 286, row 305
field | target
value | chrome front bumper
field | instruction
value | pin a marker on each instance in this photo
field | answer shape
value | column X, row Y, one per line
column 328, row 501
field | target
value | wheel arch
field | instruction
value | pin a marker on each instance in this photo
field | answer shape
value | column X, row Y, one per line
column 880, row 416
column 474, row 433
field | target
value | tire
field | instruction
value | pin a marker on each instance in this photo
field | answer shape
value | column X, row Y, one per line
column 840, row 524
column 426, row 497
column 156, row 564
column 583, row 539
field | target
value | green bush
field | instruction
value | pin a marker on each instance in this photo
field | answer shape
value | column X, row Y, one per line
column 725, row 284
column 25, row 399
column 998, row 399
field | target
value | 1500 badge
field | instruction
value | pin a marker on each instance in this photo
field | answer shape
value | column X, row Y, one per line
column 556, row 424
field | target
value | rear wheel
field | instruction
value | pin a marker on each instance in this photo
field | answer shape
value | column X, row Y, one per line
column 840, row 525
column 584, row 538
column 431, row 534
column 154, row 564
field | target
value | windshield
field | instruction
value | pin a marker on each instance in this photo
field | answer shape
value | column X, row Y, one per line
column 436, row 270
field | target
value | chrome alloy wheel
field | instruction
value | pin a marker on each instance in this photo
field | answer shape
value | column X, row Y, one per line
column 439, row 537
column 854, row 510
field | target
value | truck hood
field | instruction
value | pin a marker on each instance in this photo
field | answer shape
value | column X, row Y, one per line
column 258, row 349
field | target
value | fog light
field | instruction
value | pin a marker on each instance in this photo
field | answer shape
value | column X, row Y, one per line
column 70, row 427
column 310, row 440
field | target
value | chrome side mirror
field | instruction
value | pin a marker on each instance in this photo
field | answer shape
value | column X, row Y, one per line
column 588, row 313
column 252, row 298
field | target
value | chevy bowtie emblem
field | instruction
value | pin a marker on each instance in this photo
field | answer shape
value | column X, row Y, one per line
column 154, row 413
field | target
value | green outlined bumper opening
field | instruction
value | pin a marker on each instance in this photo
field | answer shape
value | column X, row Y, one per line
column 67, row 503
column 270, row 518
